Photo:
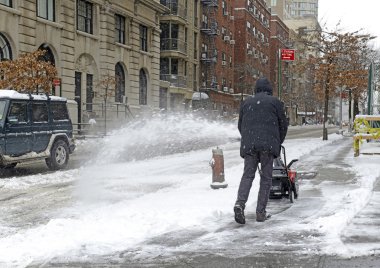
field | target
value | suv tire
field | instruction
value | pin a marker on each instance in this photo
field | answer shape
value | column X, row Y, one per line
column 59, row 156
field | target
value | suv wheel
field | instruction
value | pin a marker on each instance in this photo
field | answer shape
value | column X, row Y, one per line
column 59, row 156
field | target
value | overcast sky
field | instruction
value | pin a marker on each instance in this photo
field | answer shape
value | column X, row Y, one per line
column 353, row 14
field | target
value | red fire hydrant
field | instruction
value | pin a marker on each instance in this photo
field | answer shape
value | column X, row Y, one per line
column 217, row 165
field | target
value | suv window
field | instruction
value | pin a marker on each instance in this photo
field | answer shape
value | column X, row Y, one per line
column 39, row 112
column 18, row 112
column 2, row 109
column 59, row 111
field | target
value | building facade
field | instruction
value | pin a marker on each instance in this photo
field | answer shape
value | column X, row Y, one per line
column 89, row 41
column 252, row 48
column 179, row 59
column 216, row 76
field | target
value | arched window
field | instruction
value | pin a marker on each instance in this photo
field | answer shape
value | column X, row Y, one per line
column 48, row 57
column 5, row 48
column 143, row 88
column 120, row 83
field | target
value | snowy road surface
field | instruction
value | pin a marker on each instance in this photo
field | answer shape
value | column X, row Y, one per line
column 158, row 207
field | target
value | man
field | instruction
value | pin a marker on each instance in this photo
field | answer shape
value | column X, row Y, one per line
column 263, row 127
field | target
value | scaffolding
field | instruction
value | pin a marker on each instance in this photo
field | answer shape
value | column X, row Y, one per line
column 209, row 30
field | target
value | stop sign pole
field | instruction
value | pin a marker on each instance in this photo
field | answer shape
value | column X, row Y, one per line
column 284, row 54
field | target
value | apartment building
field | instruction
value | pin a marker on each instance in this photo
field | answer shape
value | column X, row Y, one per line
column 179, row 58
column 280, row 71
column 217, row 54
column 252, row 48
column 88, row 40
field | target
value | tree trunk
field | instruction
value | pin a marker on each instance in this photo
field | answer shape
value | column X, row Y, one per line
column 326, row 108
column 356, row 107
column 349, row 106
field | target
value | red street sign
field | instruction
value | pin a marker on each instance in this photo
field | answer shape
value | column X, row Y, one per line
column 287, row 54
column 56, row 82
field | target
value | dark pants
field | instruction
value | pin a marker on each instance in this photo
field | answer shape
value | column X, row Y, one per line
column 250, row 165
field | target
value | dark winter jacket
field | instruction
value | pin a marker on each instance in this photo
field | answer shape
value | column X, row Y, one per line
column 262, row 121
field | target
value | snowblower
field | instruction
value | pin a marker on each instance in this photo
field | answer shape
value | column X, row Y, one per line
column 284, row 179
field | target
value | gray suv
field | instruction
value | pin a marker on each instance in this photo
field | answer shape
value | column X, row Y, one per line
column 34, row 127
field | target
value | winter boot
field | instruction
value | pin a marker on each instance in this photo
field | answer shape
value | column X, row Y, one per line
column 262, row 216
column 239, row 213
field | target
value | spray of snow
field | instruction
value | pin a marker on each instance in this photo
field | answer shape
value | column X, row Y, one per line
column 121, row 202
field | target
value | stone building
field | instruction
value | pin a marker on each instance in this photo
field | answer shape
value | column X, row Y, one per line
column 179, row 59
column 88, row 41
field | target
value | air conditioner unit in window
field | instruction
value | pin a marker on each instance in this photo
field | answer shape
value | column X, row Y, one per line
column 232, row 18
column 225, row 89
column 225, row 13
column 224, row 63
column 231, row 90
column 204, row 55
column 249, row 52
column 226, row 38
column 232, row 42
column 256, row 56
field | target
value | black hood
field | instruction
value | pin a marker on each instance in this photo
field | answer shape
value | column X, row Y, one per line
column 263, row 85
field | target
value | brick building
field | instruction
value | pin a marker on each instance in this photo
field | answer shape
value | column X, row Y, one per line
column 217, row 54
column 252, row 48
column 279, row 72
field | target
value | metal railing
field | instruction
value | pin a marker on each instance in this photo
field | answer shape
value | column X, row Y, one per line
column 173, row 44
column 175, row 8
column 174, row 79
column 101, row 118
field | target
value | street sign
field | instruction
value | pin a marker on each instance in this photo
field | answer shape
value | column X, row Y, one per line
column 56, row 82
column 287, row 54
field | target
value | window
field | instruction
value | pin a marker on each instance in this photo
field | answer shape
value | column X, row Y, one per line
column 174, row 66
column 18, row 112
column 224, row 8
column 120, row 83
column 48, row 56
column 46, row 9
column 143, row 88
column 120, row 29
column 2, row 109
column 143, row 38
column 39, row 112
column 84, row 16
column 6, row 3
column 5, row 48
column 89, row 92
column 59, row 111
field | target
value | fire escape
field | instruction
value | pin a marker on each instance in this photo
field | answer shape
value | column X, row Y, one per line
column 209, row 30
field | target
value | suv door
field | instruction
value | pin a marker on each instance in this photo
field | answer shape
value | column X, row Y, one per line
column 18, row 137
column 40, row 126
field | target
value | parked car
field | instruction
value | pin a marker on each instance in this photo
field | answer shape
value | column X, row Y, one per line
column 34, row 127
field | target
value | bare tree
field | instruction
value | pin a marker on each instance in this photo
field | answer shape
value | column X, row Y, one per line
column 106, row 86
column 340, row 63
